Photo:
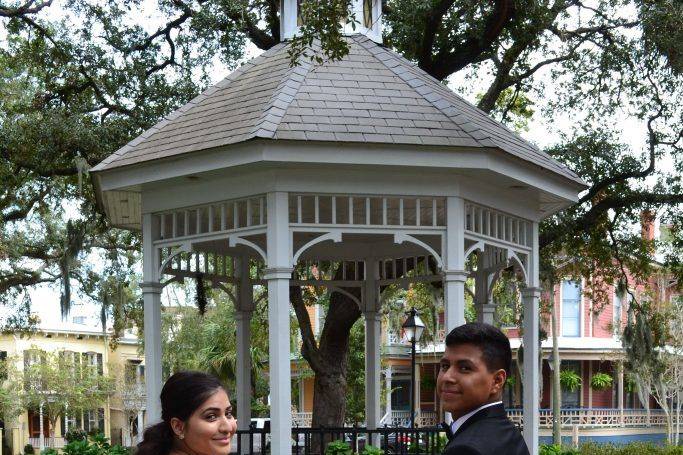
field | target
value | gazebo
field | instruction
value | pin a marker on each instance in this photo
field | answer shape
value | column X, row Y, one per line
column 367, row 161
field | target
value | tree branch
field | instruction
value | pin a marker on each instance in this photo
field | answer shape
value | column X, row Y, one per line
column 30, row 7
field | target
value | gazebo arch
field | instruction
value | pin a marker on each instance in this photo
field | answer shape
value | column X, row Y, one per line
column 366, row 160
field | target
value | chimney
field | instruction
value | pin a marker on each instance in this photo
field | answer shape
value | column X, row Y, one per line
column 647, row 225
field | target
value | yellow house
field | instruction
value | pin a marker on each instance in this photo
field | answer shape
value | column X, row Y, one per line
column 121, row 415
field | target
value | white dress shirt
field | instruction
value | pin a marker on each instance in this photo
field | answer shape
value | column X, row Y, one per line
column 462, row 419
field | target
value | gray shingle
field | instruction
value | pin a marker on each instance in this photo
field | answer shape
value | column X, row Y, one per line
column 372, row 95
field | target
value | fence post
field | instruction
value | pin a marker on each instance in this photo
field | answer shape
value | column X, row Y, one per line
column 575, row 436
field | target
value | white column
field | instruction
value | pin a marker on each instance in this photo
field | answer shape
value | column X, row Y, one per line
column 278, row 274
column 387, row 378
column 416, row 393
column 244, row 308
column 41, row 438
column 372, row 345
column 454, row 263
column 141, row 425
column 151, row 294
column 530, row 298
column 485, row 308
column 620, row 391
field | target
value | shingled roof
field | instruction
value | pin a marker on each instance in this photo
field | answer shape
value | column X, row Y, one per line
column 373, row 95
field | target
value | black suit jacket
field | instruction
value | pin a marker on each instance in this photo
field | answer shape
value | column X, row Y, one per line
column 488, row 432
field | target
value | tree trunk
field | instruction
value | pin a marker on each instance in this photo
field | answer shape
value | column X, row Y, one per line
column 329, row 358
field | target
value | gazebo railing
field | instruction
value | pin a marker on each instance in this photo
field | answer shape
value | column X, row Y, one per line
column 313, row 441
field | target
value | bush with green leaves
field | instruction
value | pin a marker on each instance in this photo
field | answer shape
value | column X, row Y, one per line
column 601, row 381
column 371, row 450
column 630, row 449
column 49, row 451
column 94, row 445
column 338, row 448
column 75, row 434
column 29, row 450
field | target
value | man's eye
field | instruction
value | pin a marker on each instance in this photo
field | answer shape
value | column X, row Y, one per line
column 464, row 368
column 228, row 414
column 444, row 367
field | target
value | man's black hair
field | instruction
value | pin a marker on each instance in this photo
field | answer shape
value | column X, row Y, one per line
column 494, row 345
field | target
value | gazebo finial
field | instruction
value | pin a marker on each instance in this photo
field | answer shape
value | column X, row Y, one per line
column 368, row 14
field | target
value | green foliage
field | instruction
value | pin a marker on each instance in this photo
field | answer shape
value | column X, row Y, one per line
column 338, row 448
column 570, row 380
column 601, row 381
column 49, row 451
column 28, row 449
column 95, row 445
column 371, row 450
column 629, row 449
column 355, row 376
column 550, row 449
column 208, row 343
column 75, row 435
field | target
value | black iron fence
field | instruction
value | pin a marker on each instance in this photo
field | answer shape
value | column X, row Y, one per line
column 315, row 441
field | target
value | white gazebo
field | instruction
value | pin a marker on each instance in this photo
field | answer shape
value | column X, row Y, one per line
column 367, row 161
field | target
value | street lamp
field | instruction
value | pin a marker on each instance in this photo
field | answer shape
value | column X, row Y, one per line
column 413, row 328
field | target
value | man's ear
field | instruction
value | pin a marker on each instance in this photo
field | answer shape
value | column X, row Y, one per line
column 178, row 427
column 499, row 378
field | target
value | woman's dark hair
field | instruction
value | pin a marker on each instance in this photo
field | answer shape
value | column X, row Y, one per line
column 180, row 397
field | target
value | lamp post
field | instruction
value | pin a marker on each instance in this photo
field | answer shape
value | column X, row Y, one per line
column 413, row 328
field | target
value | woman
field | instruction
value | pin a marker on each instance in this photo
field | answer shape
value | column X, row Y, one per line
column 196, row 418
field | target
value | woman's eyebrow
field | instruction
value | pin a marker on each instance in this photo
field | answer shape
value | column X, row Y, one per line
column 211, row 409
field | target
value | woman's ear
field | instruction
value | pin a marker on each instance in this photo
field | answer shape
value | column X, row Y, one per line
column 178, row 427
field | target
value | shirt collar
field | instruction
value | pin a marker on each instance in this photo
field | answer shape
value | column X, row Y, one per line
column 457, row 423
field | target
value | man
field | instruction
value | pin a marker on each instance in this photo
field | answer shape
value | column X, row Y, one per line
column 472, row 374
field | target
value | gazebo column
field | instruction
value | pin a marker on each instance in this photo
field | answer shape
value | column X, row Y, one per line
column 244, row 309
column 151, row 295
column 277, row 275
column 484, row 307
column 530, row 300
column 387, row 385
column 372, row 347
column 455, row 274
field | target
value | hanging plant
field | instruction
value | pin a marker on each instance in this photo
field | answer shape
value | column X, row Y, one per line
column 569, row 380
column 200, row 293
column 630, row 385
column 601, row 381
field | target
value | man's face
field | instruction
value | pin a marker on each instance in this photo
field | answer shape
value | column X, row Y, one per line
column 464, row 381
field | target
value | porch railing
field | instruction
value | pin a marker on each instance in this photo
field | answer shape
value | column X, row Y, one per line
column 56, row 443
column 596, row 417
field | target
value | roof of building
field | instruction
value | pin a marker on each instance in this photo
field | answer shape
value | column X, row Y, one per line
column 372, row 95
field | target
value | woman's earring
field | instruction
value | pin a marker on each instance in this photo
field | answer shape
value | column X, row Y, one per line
column 181, row 436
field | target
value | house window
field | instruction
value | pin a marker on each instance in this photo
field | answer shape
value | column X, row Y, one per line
column 400, row 395
column 367, row 13
column 617, row 309
column 571, row 309
column 3, row 365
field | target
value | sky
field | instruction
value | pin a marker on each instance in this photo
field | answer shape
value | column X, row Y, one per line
column 544, row 132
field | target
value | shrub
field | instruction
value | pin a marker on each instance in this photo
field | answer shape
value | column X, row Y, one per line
column 75, row 435
column 550, row 449
column 28, row 449
column 338, row 448
column 49, row 452
column 95, row 445
column 372, row 450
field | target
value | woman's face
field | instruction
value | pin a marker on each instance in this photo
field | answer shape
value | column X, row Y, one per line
column 210, row 427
